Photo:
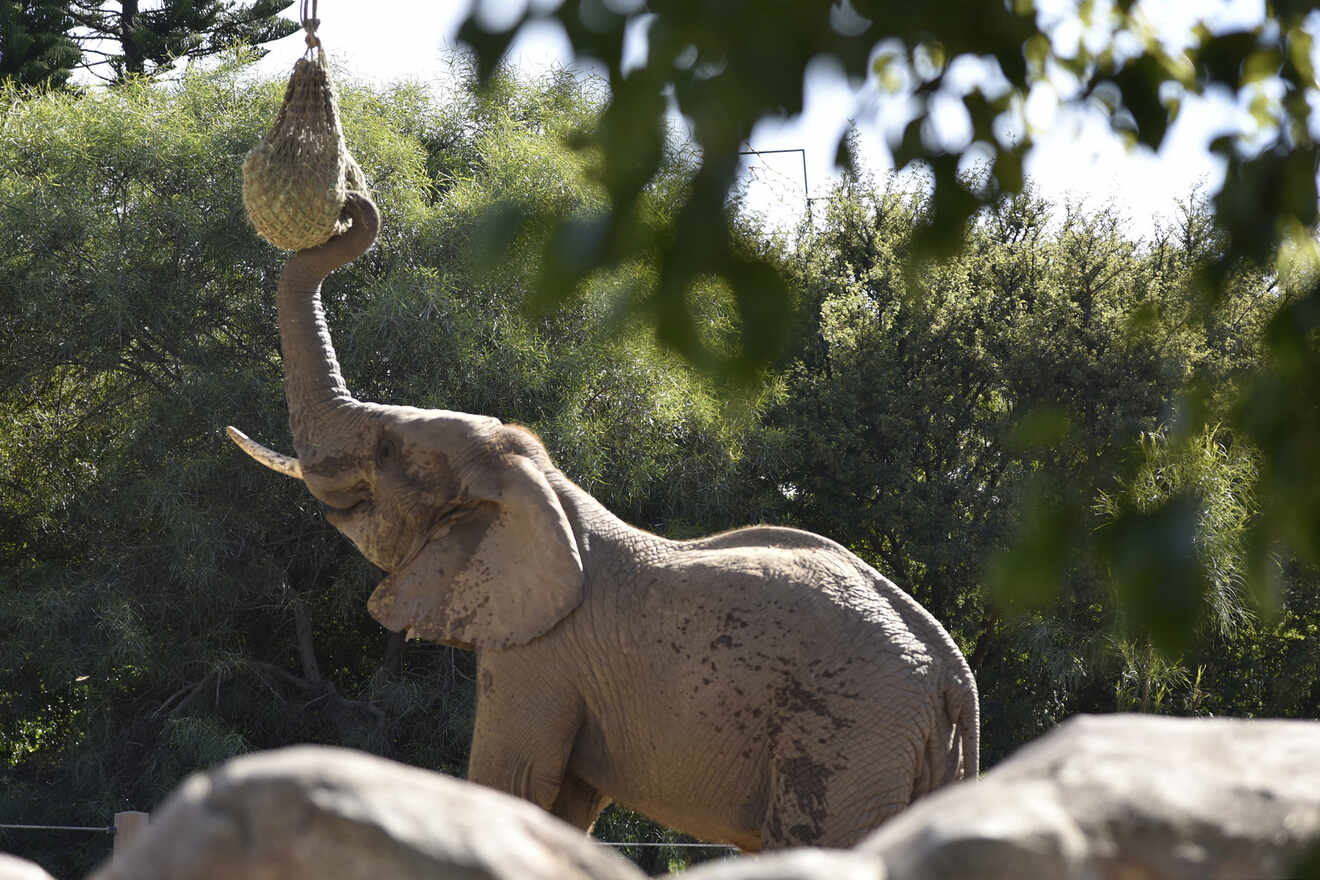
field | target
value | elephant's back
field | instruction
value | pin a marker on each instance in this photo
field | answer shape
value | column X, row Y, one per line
column 752, row 537
column 806, row 571
column 803, row 589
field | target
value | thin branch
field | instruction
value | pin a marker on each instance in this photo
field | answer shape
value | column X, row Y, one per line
column 182, row 697
column 96, row 22
column 303, row 628
column 280, row 673
column 89, row 67
column 981, row 649
column 393, row 659
column 322, row 690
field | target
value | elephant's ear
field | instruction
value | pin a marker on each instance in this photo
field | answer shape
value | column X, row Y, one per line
column 501, row 570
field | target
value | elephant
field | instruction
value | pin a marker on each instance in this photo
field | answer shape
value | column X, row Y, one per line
column 762, row 687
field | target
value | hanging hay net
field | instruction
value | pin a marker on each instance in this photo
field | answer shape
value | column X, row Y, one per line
column 295, row 182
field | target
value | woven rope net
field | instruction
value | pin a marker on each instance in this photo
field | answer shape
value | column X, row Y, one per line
column 295, row 182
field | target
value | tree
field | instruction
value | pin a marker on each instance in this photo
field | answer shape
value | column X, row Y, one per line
column 931, row 416
column 151, row 40
column 35, row 48
column 726, row 68
column 163, row 603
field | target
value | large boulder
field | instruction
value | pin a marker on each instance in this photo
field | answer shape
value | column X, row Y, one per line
column 14, row 868
column 1123, row 796
column 336, row 814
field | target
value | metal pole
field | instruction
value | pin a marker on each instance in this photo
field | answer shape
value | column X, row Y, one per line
column 806, row 191
column 128, row 825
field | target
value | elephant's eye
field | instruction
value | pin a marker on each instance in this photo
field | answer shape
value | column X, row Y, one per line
column 385, row 451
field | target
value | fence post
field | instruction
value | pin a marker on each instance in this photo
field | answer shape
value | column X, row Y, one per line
column 128, row 825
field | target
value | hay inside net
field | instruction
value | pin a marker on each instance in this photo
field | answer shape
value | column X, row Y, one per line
column 295, row 182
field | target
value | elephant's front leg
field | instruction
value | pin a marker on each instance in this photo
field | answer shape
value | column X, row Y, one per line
column 523, row 735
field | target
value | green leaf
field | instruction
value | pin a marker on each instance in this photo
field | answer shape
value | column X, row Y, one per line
column 1139, row 82
column 496, row 230
column 1158, row 573
column 952, row 204
column 1220, row 58
column 1259, row 192
column 488, row 47
column 1008, row 170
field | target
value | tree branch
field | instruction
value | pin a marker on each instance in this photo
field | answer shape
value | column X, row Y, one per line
column 982, row 646
column 182, row 697
column 302, row 626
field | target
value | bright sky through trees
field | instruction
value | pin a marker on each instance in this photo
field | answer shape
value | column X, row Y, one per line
column 1076, row 154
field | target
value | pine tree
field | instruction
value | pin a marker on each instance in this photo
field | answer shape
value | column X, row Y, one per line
column 151, row 40
column 34, row 45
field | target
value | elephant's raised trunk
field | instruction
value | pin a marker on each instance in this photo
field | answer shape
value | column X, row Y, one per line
column 319, row 401
column 313, row 384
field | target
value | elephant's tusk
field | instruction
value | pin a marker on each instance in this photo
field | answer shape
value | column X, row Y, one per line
column 283, row 464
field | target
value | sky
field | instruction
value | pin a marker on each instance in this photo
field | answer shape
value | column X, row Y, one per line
column 1076, row 157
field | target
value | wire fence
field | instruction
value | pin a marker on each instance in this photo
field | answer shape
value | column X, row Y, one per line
column 128, row 824
column 774, row 190
column 105, row 829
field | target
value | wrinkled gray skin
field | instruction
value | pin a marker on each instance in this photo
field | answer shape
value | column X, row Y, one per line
column 763, row 686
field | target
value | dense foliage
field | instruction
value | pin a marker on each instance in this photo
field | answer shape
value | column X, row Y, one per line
column 726, row 68
column 932, row 416
column 164, row 603
column 153, row 38
column 954, row 83
column 35, row 47
column 43, row 41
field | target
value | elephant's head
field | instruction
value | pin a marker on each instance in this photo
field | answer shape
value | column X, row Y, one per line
column 459, row 509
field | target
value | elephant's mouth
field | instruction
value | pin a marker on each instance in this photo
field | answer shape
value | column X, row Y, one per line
column 352, row 508
column 389, row 553
column 342, row 516
column 398, row 560
column 354, row 512
column 345, row 500
column 442, row 525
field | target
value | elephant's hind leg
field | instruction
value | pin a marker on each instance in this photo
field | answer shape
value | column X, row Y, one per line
column 578, row 803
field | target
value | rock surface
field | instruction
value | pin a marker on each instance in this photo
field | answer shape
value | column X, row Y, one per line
column 336, row 814
column 798, row 864
column 1123, row 796
column 13, row 868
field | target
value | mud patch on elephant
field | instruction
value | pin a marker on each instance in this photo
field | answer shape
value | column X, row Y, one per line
column 805, row 833
column 804, row 782
column 798, row 700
